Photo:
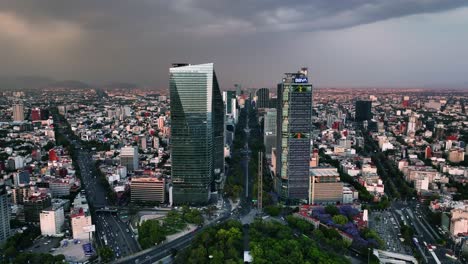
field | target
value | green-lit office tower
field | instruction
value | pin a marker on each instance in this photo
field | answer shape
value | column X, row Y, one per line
column 294, row 125
column 197, row 132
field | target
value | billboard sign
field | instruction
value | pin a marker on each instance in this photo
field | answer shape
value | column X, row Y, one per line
column 301, row 80
column 88, row 229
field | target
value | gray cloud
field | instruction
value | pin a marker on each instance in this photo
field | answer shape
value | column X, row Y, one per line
column 136, row 40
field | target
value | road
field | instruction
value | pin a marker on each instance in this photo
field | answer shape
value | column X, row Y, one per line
column 413, row 216
column 161, row 252
column 110, row 229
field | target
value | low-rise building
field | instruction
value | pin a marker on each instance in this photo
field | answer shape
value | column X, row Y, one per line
column 147, row 189
column 51, row 220
column 80, row 222
column 325, row 186
column 459, row 221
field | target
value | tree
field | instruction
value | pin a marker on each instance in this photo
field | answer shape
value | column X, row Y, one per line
column 106, row 254
column 151, row 233
column 10, row 252
column 273, row 210
column 340, row 219
column 332, row 210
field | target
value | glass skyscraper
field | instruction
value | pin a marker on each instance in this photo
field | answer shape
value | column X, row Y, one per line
column 294, row 125
column 263, row 98
column 197, row 133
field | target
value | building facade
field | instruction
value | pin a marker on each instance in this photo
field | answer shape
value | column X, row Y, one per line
column 263, row 98
column 129, row 158
column 325, row 186
column 293, row 147
column 18, row 112
column 363, row 111
column 51, row 221
column 147, row 189
column 197, row 138
column 269, row 136
column 459, row 221
column 34, row 205
column 4, row 215
column 80, row 221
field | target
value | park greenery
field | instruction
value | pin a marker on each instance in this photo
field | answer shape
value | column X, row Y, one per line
column 152, row 232
column 106, row 254
column 300, row 224
column 218, row 244
column 272, row 242
column 235, row 180
column 273, row 210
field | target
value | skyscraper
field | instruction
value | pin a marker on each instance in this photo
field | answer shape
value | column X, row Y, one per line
column 18, row 112
column 229, row 98
column 4, row 215
column 269, row 131
column 197, row 139
column 263, row 98
column 363, row 111
column 294, row 114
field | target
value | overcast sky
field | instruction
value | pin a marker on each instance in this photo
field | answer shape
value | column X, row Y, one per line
column 343, row 42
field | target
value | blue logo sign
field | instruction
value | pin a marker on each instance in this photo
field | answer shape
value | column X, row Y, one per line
column 301, row 80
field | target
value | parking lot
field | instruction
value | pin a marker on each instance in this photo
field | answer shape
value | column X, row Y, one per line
column 386, row 226
column 44, row 245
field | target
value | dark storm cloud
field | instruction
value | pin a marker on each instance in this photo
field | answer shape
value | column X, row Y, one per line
column 136, row 40
column 206, row 15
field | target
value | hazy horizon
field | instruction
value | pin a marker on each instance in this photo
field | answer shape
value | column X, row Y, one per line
column 360, row 43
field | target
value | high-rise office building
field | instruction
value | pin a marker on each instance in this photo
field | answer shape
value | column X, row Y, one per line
column 263, row 98
column 4, row 215
column 197, row 139
column 269, row 137
column 147, row 189
column 363, row 111
column 129, row 158
column 18, row 112
column 293, row 147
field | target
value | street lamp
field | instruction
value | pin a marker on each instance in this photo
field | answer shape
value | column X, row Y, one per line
column 368, row 255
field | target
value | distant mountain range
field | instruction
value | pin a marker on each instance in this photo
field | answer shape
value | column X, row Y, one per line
column 24, row 82
column 119, row 86
column 71, row 84
column 37, row 82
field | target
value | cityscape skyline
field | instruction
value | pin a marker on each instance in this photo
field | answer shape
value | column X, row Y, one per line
column 358, row 44
column 306, row 131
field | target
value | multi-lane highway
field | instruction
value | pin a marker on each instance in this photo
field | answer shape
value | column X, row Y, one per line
column 110, row 229
column 413, row 216
column 162, row 251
